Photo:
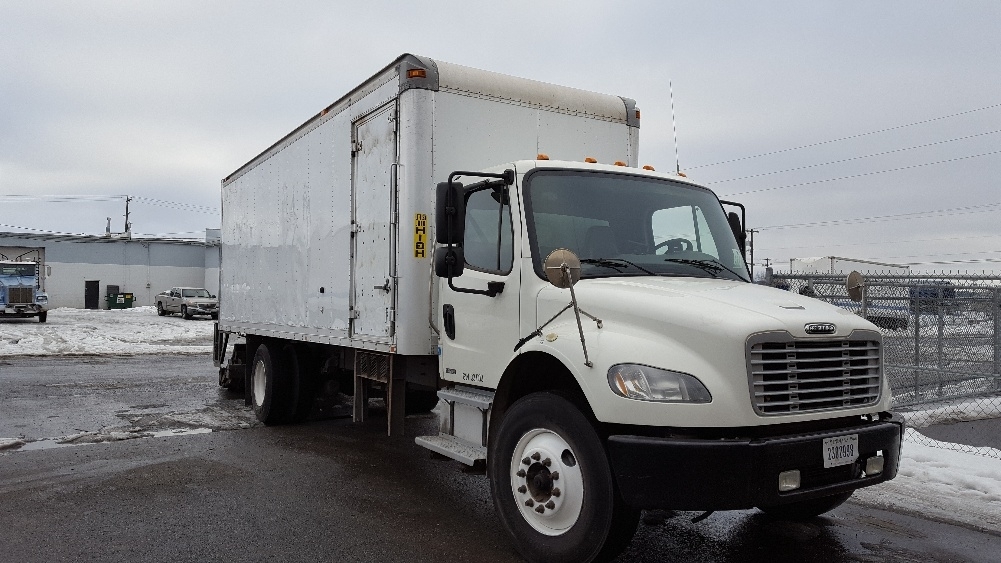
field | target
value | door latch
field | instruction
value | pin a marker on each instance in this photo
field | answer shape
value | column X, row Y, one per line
column 385, row 287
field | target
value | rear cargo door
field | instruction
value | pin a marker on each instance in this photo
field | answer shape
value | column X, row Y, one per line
column 373, row 199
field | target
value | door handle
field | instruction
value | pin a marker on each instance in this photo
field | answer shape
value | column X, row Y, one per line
column 385, row 287
column 448, row 314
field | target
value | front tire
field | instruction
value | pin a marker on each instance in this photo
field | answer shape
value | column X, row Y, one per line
column 42, row 317
column 159, row 310
column 269, row 386
column 552, row 485
column 806, row 509
column 184, row 312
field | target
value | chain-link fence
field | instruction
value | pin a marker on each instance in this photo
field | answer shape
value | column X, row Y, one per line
column 941, row 349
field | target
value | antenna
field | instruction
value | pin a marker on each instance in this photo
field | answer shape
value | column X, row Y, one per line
column 674, row 127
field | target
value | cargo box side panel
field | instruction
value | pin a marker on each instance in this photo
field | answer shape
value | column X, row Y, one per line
column 287, row 231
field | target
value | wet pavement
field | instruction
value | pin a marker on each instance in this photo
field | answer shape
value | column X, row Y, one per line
column 186, row 475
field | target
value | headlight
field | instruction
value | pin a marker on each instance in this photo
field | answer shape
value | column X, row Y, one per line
column 41, row 299
column 645, row 383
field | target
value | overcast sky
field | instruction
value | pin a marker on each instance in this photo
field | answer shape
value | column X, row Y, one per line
column 162, row 99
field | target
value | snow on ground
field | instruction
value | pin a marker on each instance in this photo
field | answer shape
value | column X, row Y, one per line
column 944, row 484
column 105, row 332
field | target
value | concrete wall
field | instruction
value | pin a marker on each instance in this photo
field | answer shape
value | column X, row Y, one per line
column 141, row 267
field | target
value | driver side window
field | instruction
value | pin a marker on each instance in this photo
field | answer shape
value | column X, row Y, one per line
column 488, row 244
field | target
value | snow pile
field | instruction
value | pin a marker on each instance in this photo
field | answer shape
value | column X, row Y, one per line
column 943, row 484
column 117, row 331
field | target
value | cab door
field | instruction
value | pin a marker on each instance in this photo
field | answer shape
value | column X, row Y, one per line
column 479, row 332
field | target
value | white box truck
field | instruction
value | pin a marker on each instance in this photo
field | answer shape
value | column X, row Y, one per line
column 590, row 327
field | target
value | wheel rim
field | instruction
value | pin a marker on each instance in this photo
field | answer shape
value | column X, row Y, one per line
column 546, row 482
column 260, row 383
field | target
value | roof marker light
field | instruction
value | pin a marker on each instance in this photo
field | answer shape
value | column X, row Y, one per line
column 682, row 174
column 637, row 114
column 648, row 167
column 542, row 156
column 417, row 73
column 590, row 160
column 619, row 163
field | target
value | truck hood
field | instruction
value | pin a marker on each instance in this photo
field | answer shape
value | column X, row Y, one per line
column 721, row 308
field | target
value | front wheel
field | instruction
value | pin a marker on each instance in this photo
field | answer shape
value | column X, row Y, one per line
column 185, row 313
column 806, row 509
column 43, row 316
column 159, row 309
column 552, row 485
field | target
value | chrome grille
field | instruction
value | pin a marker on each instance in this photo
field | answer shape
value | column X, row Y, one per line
column 20, row 295
column 810, row 375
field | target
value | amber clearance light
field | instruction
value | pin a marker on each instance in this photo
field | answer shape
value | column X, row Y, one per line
column 417, row 73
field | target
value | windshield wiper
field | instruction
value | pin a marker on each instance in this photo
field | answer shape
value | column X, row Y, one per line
column 711, row 267
column 615, row 263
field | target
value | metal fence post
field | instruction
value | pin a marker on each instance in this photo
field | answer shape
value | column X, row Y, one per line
column 997, row 338
column 916, row 305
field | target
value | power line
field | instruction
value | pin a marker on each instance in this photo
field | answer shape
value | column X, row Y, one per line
column 899, row 216
column 177, row 205
column 881, row 242
column 853, row 158
column 846, row 138
column 863, row 174
column 66, row 198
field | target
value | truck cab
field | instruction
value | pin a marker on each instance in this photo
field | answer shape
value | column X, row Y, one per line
column 21, row 295
column 657, row 374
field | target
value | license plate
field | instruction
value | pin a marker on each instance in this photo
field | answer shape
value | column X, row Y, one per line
column 841, row 450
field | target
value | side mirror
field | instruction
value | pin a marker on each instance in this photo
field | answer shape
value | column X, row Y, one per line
column 448, row 261
column 450, row 213
column 738, row 231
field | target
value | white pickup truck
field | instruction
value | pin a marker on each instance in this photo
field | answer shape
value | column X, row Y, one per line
column 188, row 301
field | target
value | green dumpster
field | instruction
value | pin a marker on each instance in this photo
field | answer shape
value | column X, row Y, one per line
column 120, row 300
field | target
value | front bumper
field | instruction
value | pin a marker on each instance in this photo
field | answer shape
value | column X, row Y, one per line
column 732, row 474
column 19, row 310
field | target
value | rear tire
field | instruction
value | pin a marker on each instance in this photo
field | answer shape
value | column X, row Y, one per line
column 806, row 509
column 582, row 516
column 269, row 386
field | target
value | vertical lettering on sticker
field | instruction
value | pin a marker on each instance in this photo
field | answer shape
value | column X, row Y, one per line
column 420, row 235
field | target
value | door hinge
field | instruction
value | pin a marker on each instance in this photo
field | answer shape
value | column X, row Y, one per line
column 391, row 315
column 353, row 313
column 356, row 147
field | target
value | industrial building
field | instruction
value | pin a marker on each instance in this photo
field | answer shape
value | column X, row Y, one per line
column 79, row 270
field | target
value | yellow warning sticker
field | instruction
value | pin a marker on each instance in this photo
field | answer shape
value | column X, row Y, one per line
column 420, row 235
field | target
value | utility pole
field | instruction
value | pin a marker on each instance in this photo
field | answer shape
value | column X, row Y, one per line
column 128, row 226
column 752, row 231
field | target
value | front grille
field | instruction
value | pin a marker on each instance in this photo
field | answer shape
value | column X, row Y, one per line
column 20, row 296
column 809, row 375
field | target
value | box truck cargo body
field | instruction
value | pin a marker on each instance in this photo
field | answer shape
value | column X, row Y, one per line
column 589, row 326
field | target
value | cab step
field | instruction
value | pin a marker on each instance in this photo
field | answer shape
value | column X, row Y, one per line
column 452, row 447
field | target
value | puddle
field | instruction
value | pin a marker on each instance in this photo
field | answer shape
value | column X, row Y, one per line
column 87, row 439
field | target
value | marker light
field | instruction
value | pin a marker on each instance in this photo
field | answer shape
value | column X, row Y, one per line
column 417, row 73
column 591, row 160
column 542, row 156
column 637, row 114
column 619, row 163
column 648, row 167
column 682, row 174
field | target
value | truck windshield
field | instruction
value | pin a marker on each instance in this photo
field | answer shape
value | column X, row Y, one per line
column 17, row 270
column 623, row 225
